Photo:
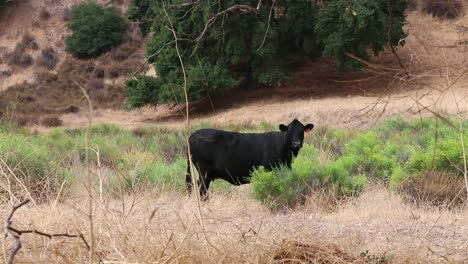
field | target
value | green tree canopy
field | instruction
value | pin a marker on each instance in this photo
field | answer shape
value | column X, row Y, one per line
column 95, row 29
column 225, row 44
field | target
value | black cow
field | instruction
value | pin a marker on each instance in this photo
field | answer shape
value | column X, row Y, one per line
column 231, row 156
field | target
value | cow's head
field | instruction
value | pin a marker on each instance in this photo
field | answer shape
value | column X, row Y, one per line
column 295, row 134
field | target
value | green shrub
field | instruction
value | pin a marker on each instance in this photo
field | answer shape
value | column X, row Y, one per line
column 169, row 175
column 142, row 90
column 283, row 187
column 366, row 155
column 95, row 30
column 397, row 178
column 30, row 162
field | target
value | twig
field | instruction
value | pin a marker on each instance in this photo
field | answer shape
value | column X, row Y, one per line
column 390, row 31
column 88, row 169
column 462, row 139
column 268, row 26
column 9, row 233
column 187, row 123
column 440, row 216
column 242, row 8
column 15, row 234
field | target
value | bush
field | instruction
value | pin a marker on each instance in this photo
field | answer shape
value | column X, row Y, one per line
column 282, row 187
column 95, row 30
column 435, row 188
column 29, row 161
column 44, row 14
column 445, row 9
column 48, row 58
column 142, row 90
column 51, row 121
column 19, row 57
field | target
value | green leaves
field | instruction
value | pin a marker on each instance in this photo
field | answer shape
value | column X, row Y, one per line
column 250, row 49
column 354, row 27
column 239, row 48
column 95, row 30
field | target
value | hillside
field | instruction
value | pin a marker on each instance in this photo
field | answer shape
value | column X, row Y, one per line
column 434, row 55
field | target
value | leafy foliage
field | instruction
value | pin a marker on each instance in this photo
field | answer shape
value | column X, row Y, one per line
column 141, row 90
column 95, row 30
column 250, row 48
column 281, row 186
column 352, row 27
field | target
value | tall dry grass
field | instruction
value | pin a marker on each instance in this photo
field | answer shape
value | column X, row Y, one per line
column 150, row 227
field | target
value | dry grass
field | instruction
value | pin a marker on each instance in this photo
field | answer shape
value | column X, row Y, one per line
column 165, row 227
column 436, row 188
column 445, row 9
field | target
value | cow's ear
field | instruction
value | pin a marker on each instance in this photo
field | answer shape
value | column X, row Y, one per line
column 308, row 128
column 283, row 128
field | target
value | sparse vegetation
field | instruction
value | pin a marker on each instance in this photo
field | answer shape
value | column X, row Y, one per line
column 19, row 58
column 392, row 153
column 405, row 155
column 51, row 121
column 44, row 14
column 48, row 58
column 445, row 9
column 95, row 30
column 152, row 159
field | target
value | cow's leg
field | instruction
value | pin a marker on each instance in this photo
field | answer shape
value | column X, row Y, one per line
column 188, row 179
column 204, row 185
column 205, row 177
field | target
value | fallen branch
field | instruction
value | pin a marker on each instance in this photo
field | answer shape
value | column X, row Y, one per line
column 15, row 234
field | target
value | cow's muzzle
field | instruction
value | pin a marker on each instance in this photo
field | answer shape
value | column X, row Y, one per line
column 297, row 145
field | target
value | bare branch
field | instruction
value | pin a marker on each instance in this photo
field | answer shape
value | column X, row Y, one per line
column 8, row 232
column 268, row 26
column 242, row 8
column 15, row 234
column 390, row 30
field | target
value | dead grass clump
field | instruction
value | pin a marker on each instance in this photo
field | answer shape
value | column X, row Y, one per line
column 321, row 199
column 48, row 58
column 95, row 84
column 44, row 14
column 296, row 252
column 28, row 42
column 99, row 72
column 66, row 14
column 6, row 73
column 435, row 188
column 444, row 9
column 123, row 51
column 18, row 57
column 116, row 69
column 51, row 121
column 412, row 5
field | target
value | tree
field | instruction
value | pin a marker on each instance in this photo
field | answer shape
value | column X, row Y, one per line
column 355, row 27
column 95, row 30
column 228, row 43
